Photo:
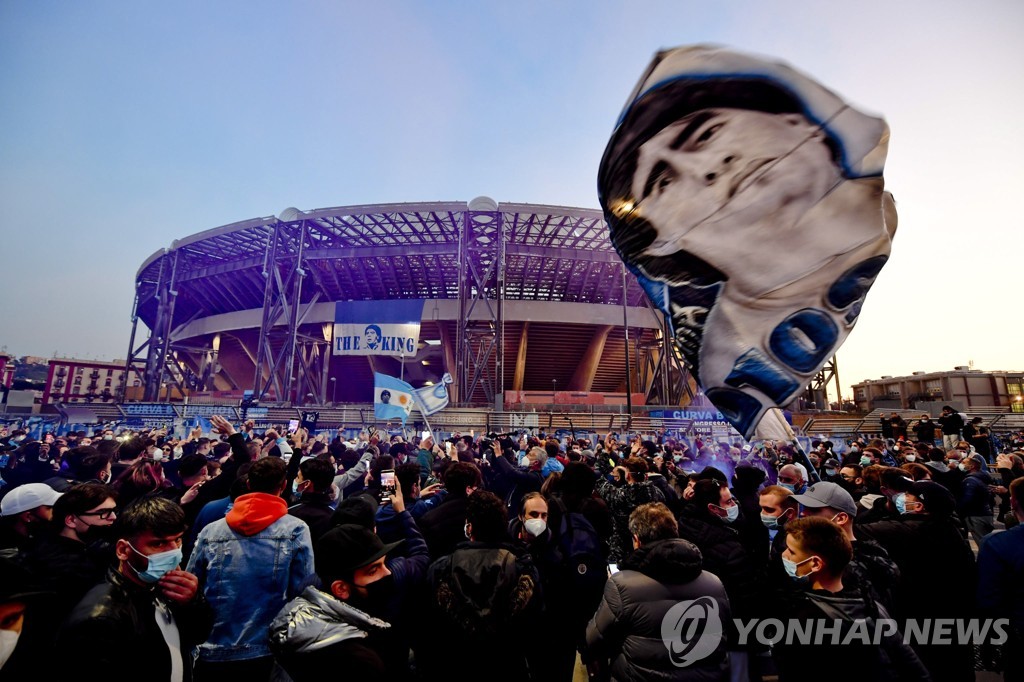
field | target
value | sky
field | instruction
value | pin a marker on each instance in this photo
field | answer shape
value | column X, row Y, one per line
column 127, row 125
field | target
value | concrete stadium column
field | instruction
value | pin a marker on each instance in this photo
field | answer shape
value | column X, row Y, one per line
column 520, row 375
column 583, row 377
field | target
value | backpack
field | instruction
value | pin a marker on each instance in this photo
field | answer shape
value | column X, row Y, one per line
column 582, row 553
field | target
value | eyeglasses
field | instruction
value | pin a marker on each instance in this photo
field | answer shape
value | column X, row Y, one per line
column 104, row 514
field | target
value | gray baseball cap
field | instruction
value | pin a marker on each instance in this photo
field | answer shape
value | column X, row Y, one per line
column 826, row 494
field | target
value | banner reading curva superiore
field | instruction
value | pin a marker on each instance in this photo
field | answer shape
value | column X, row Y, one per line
column 377, row 327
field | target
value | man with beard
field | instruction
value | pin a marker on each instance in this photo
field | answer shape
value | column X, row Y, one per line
column 359, row 619
column 25, row 510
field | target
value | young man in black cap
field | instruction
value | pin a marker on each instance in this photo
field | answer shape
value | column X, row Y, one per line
column 356, row 617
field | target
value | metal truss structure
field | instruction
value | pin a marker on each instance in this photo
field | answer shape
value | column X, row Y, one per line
column 481, row 255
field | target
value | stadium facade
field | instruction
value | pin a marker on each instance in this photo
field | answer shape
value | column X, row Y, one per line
column 517, row 300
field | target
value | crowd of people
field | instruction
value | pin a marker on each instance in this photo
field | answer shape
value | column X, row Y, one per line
column 272, row 556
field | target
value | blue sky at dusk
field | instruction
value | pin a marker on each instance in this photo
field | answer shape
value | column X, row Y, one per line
column 127, row 125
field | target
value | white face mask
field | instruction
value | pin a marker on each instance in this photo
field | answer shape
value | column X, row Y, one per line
column 8, row 641
column 178, row 452
column 911, row 458
column 158, row 456
column 535, row 527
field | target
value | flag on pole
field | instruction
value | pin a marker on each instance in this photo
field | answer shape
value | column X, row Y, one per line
column 391, row 397
column 431, row 399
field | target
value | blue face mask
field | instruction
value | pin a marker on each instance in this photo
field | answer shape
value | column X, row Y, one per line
column 770, row 522
column 160, row 564
column 791, row 567
column 865, row 461
column 830, row 472
column 791, row 487
column 900, row 502
column 295, row 487
column 731, row 513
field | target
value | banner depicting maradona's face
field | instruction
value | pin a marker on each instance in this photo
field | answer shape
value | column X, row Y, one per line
column 749, row 201
column 377, row 327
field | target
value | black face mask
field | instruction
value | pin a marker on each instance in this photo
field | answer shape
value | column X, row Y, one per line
column 378, row 594
column 97, row 534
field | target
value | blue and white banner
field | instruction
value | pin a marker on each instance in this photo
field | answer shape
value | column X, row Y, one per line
column 377, row 328
column 392, row 398
column 431, row 399
column 749, row 201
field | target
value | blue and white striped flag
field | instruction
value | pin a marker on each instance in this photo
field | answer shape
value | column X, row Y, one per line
column 431, row 399
column 391, row 397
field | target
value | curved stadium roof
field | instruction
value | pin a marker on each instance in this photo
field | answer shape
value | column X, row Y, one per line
column 389, row 251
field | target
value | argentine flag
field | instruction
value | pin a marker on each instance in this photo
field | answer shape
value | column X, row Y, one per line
column 391, row 397
column 431, row 399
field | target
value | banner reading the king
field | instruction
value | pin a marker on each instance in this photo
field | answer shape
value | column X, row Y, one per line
column 377, row 328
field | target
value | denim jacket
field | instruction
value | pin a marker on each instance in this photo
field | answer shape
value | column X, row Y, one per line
column 248, row 571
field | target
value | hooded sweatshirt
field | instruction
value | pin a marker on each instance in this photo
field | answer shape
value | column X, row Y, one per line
column 254, row 512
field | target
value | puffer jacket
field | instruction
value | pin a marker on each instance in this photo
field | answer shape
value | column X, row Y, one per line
column 628, row 628
column 316, row 632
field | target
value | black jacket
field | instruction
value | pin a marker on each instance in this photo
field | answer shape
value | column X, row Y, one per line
column 443, row 527
column 112, row 634
column 627, row 628
column 315, row 510
column 891, row 659
column 486, row 596
column 621, row 502
column 929, row 551
column 925, row 431
column 725, row 556
column 951, row 424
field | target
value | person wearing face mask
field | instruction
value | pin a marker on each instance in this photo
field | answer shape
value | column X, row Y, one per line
column 25, row 512
column 258, row 533
column 21, row 602
column 378, row 578
column 816, row 559
column 870, row 568
column 776, row 508
column 793, row 478
column 484, row 595
column 144, row 619
column 329, row 627
column 708, row 522
column 852, row 480
column 623, row 500
column 975, row 502
column 928, row 545
column 925, row 430
column 556, row 571
column 312, row 491
column 625, row 634
column 72, row 555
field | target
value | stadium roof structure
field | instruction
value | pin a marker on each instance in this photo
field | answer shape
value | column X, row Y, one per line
column 483, row 266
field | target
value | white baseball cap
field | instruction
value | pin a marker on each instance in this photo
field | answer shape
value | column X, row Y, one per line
column 28, row 496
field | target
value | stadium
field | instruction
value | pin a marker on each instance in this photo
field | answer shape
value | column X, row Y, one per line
column 521, row 304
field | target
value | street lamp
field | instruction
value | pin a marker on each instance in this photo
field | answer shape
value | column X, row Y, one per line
column 334, row 391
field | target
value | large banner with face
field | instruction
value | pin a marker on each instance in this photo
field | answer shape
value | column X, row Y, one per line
column 377, row 327
column 749, row 201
